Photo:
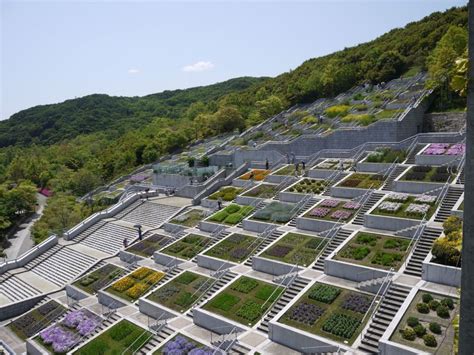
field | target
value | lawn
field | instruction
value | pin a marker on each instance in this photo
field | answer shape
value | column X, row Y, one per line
column 181, row 345
column 363, row 181
column 136, row 284
column 406, row 206
column 429, row 174
column 187, row 247
column 255, row 175
column 36, row 320
column 295, row 248
column 286, row 170
column 329, row 311
column 333, row 210
column 180, row 293
column 275, row 212
column 96, row 280
column 386, row 155
column 427, row 324
column 125, row 335
column 227, row 193
column 308, row 186
column 262, row 191
column 245, row 300
column 190, row 219
column 148, row 246
column 236, row 248
column 231, row 214
column 374, row 250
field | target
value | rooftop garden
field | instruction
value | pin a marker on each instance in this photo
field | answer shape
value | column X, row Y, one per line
column 262, row 191
column 181, row 344
column 295, row 248
column 447, row 248
column 245, row 300
column 286, row 170
column 374, row 250
column 191, row 218
column 435, row 174
column 148, row 246
column 386, row 155
column 36, row 320
column 236, row 248
column 231, row 215
column 275, row 212
column 62, row 336
column 334, row 210
column 180, row 293
column 337, row 111
column 363, row 181
column 445, row 149
column 333, row 164
column 406, row 206
column 136, row 284
column 427, row 324
column 98, row 279
column 255, row 175
column 187, row 247
column 308, row 186
column 227, row 193
column 329, row 311
column 124, row 335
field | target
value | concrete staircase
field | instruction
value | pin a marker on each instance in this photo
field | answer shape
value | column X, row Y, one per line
column 422, row 248
column 452, row 196
column 129, row 209
column 391, row 303
column 461, row 178
column 340, row 237
column 89, row 230
column 273, row 236
column 333, row 182
column 239, row 349
column 388, row 185
column 42, row 257
column 290, row 293
column 109, row 238
column 15, row 289
column 411, row 157
column 311, row 202
column 155, row 340
column 373, row 199
column 150, row 214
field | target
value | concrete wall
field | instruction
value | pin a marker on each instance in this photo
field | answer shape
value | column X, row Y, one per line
column 129, row 257
column 214, row 322
column 292, row 197
column 351, row 272
column 154, row 310
column 440, row 274
column 272, row 267
column 12, row 310
column 76, row 293
column 387, row 347
column 211, row 263
column 372, row 167
column 33, row 348
column 413, row 187
column 346, row 192
column 209, row 227
column 110, row 301
column 390, row 223
column 170, row 180
column 452, row 160
column 320, row 173
column 315, row 225
column 248, row 200
column 165, row 259
column 255, row 226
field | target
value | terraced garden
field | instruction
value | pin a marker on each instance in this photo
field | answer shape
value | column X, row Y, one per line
column 334, row 210
column 386, row 155
column 227, row 193
column 329, row 311
column 406, row 206
column 231, row 215
column 308, row 186
column 430, row 174
column 236, row 248
column 262, row 191
column 181, row 344
column 187, row 247
column 333, row 164
column 363, row 181
column 148, row 246
column 255, row 175
column 191, row 218
column 136, row 284
column 245, row 301
column 286, row 170
column 96, row 280
column 275, row 212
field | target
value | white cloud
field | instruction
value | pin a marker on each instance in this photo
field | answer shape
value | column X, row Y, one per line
column 198, row 66
column 133, row 71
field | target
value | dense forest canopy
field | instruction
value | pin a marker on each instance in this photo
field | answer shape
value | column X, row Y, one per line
column 77, row 145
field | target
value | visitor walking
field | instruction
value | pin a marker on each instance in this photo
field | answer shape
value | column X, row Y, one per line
column 219, row 203
column 267, row 164
column 125, row 242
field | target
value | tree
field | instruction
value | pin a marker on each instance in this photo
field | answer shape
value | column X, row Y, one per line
column 269, row 107
column 227, row 119
column 459, row 80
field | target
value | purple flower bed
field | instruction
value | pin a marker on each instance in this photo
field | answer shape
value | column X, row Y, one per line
column 329, row 203
column 319, row 212
column 456, row 149
column 59, row 338
column 306, row 313
column 340, row 214
column 351, row 205
column 180, row 345
column 357, row 303
column 239, row 253
column 443, row 148
column 279, row 251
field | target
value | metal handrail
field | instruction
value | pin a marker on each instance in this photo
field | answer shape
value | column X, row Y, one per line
column 416, row 239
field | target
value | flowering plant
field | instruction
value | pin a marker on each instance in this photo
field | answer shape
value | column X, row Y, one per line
column 390, row 206
column 329, row 203
column 417, row 209
column 397, row 197
column 319, row 212
column 340, row 214
column 137, row 290
column 141, row 273
column 123, row 284
column 425, row 199
column 60, row 338
column 351, row 205
column 181, row 345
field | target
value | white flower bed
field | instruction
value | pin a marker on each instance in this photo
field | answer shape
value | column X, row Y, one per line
column 398, row 197
column 419, row 209
column 426, row 199
column 390, row 206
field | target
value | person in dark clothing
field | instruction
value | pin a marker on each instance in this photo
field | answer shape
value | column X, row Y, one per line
column 125, row 242
column 219, row 203
column 267, row 164
column 303, row 164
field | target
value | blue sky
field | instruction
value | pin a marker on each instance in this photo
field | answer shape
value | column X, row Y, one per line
column 53, row 51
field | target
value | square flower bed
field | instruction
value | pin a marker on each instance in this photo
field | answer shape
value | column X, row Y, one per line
column 227, row 193
column 181, row 344
column 61, row 337
column 236, row 248
column 255, row 175
column 333, row 164
column 386, row 155
column 406, row 206
column 286, row 170
column 180, row 293
column 187, row 247
column 445, row 149
column 329, row 311
column 123, row 335
column 295, row 248
column 275, row 212
column 136, row 284
column 375, row 250
column 231, row 214
column 427, row 323
column 96, row 280
column 308, row 186
column 36, row 320
column 148, row 246
column 362, row 181
column 430, row 174
column 262, row 191
column 333, row 210
column 245, row 300
column 190, row 219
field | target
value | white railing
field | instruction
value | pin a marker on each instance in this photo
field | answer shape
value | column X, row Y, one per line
column 415, row 240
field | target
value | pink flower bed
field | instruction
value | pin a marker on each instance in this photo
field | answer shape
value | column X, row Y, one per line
column 443, row 148
column 329, row 203
column 319, row 212
column 340, row 214
column 351, row 205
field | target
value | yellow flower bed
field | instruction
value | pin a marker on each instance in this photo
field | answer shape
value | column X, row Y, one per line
column 123, row 284
column 154, row 278
column 141, row 273
column 137, row 290
column 255, row 174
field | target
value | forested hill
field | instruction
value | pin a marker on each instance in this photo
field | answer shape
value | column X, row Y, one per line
column 48, row 124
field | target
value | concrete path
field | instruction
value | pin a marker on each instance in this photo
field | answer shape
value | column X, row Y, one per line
column 21, row 240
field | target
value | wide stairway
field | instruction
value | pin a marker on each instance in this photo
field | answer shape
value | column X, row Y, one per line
column 373, row 199
column 340, row 237
column 391, row 303
column 411, row 157
column 388, row 186
column 422, row 248
column 158, row 338
column 109, row 238
column 149, row 214
column 16, row 289
column 452, row 196
column 311, row 202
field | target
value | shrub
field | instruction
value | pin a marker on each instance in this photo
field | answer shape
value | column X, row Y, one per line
column 219, row 216
column 448, row 302
column 422, row 308
column 427, row 297
column 408, row 334
column 442, row 311
column 245, row 284
column 337, row 110
column 324, row 293
column 186, row 278
column 430, row 341
column 121, row 330
column 341, row 325
column 185, row 299
column 419, row 330
column 141, row 273
column 265, row 291
column 232, row 208
column 364, row 238
column 305, row 313
column 123, row 284
column 224, row 301
column 250, row 310
column 434, row 305
column 363, row 119
column 137, row 290
column 412, row 321
column 233, row 218
column 447, row 252
column 435, row 328
column 453, row 223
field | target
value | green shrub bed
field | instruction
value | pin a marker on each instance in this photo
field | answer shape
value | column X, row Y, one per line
column 180, row 293
column 187, row 247
column 308, row 186
column 148, row 246
column 363, row 181
column 227, row 193
column 329, row 311
column 262, row 191
column 190, row 218
column 374, row 250
column 295, row 248
column 430, row 174
column 427, row 323
column 275, row 212
column 236, row 248
column 386, row 155
column 245, row 300
column 231, row 214
column 124, row 335
column 286, row 170
column 96, row 280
